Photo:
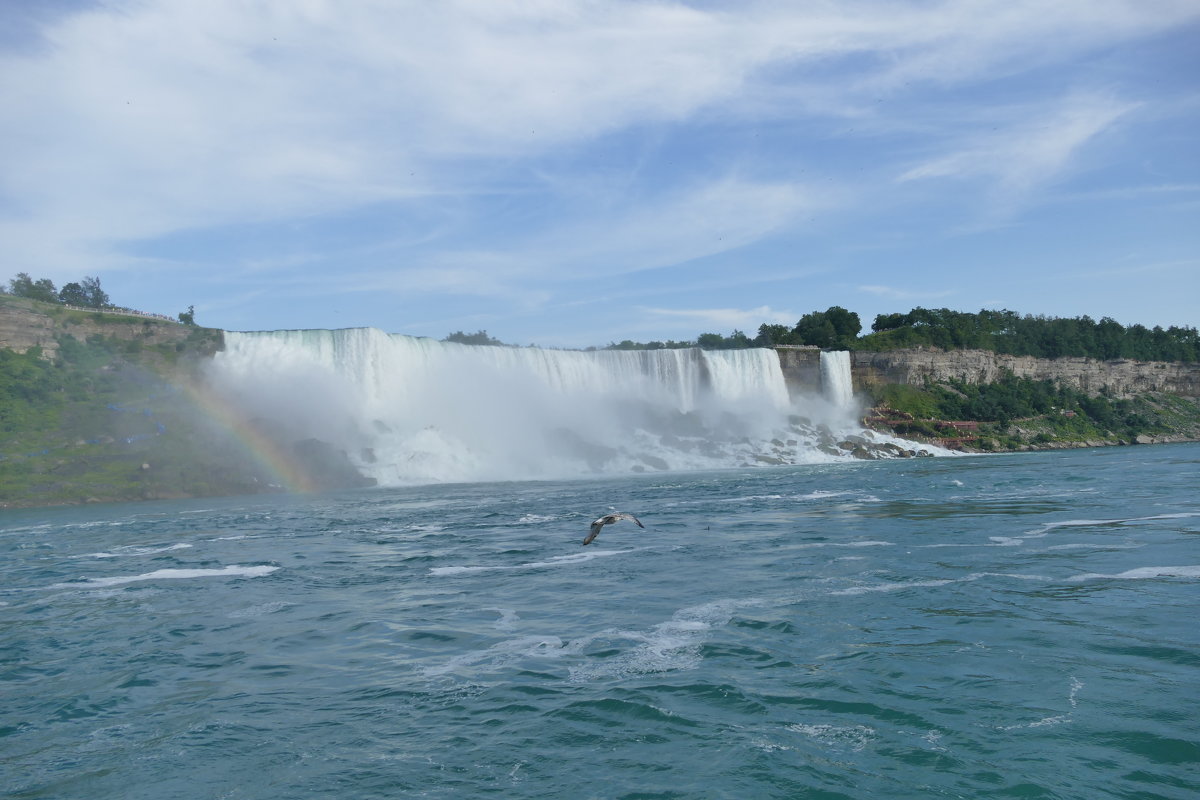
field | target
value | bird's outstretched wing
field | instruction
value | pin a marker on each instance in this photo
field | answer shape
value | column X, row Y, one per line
column 606, row 520
column 595, row 530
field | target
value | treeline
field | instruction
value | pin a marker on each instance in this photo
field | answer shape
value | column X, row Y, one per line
column 1000, row 331
column 82, row 294
column 1043, row 337
column 835, row 328
column 85, row 293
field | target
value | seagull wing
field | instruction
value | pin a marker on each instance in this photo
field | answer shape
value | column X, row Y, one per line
column 595, row 530
column 630, row 517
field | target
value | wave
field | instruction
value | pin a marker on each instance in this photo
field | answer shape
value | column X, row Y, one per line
column 1142, row 573
column 233, row 571
column 1045, row 529
column 556, row 561
column 131, row 550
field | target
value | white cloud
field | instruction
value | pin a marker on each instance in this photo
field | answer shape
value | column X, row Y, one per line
column 142, row 119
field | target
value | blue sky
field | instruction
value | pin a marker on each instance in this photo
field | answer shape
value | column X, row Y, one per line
column 576, row 172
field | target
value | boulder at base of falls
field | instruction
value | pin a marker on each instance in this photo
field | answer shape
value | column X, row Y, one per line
column 325, row 467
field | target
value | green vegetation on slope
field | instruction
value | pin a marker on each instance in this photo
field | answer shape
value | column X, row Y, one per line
column 1016, row 413
column 103, row 422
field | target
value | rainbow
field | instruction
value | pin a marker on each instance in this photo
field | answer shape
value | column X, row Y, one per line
column 264, row 451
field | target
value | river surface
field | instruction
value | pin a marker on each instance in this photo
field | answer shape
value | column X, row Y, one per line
column 1016, row 626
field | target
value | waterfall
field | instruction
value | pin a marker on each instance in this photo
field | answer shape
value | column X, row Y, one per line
column 835, row 378
column 414, row 410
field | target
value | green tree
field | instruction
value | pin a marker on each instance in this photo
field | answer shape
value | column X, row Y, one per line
column 188, row 317
column 769, row 335
column 815, row 329
column 846, row 326
column 24, row 286
column 96, row 297
column 478, row 337
column 834, row 327
column 73, row 295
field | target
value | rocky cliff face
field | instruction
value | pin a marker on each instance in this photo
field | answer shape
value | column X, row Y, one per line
column 27, row 323
column 801, row 367
column 22, row 328
column 1120, row 378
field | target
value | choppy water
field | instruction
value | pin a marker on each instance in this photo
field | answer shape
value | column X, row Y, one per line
column 1007, row 626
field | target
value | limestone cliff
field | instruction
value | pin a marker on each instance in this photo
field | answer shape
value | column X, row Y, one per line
column 25, row 324
column 1117, row 378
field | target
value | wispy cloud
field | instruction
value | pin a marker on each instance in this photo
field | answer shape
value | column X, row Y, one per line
column 893, row 293
column 727, row 319
column 1035, row 150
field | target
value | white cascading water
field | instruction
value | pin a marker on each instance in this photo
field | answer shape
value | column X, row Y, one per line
column 835, row 378
column 413, row 410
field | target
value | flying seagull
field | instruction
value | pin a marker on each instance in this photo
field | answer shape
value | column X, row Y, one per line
column 608, row 519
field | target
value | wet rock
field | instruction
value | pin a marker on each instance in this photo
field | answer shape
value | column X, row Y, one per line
column 656, row 462
column 326, row 467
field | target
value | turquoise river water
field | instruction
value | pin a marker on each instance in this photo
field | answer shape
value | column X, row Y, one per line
column 1010, row 626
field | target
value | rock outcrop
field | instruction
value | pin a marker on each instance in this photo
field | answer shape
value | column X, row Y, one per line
column 25, row 324
column 1118, row 378
column 22, row 328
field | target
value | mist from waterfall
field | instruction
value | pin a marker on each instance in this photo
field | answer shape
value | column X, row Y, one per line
column 412, row 410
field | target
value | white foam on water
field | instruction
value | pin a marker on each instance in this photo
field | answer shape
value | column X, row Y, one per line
column 534, row 519
column 131, row 550
column 974, row 576
column 847, row 544
column 508, row 618
column 889, row 587
column 669, row 646
column 1142, row 573
column 1094, row 546
column 556, row 561
column 1036, row 533
column 750, row 498
column 1020, row 576
column 260, row 609
column 837, row 737
column 499, row 655
column 1055, row 719
column 233, row 571
column 1076, row 685
column 934, row 738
